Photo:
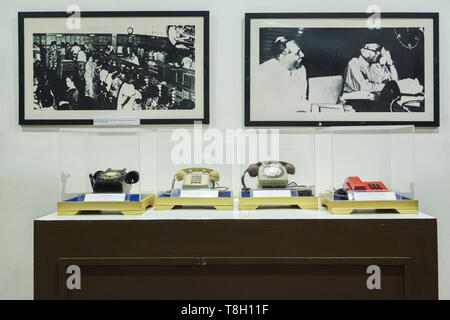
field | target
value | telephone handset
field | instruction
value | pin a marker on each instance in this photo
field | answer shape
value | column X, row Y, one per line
column 271, row 174
column 197, row 178
column 113, row 181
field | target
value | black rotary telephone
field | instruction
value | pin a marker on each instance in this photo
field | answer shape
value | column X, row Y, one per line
column 113, row 181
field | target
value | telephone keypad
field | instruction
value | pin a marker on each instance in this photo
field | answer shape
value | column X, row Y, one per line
column 197, row 179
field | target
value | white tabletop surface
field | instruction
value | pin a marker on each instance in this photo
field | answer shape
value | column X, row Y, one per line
column 207, row 214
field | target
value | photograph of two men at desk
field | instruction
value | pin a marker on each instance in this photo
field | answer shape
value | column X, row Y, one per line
column 339, row 70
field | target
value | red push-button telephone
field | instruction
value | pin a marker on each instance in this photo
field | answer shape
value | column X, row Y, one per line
column 355, row 184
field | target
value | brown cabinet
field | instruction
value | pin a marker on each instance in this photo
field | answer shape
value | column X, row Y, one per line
column 309, row 257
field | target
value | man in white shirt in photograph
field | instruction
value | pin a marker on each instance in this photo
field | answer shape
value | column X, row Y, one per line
column 81, row 56
column 280, row 83
column 187, row 62
column 119, row 50
column 370, row 71
column 75, row 49
column 133, row 58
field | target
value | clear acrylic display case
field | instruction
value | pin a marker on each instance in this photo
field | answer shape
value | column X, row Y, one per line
column 294, row 146
column 184, row 155
column 85, row 152
column 369, row 167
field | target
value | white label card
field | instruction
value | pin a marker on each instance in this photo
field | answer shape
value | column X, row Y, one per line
column 104, row 197
column 116, row 122
column 364, row 196
column 202, row 193
column 272, row 193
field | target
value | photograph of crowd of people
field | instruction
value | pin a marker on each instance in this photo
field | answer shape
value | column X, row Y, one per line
column 340, row 69
column 126, row 71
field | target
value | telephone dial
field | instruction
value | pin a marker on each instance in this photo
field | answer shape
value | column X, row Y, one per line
column 355, row 184
column 113, row 181
column 197, row 178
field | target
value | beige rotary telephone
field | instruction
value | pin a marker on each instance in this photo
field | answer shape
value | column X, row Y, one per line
column 271, row 174
column 197, row 178
column 274, row 175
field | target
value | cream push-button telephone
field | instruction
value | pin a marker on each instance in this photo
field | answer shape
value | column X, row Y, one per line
column 197, row 178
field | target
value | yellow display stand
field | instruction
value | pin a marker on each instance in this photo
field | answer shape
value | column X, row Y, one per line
column 253, row 203
column 168, row 203
column 69, row 208
column 347, row 207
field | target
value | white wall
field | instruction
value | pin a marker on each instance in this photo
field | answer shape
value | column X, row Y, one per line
column 28, row 156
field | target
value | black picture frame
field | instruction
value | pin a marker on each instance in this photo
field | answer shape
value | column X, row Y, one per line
column 249, row 17
column 204, row 116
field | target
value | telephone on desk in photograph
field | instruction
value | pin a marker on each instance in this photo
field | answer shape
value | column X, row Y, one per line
column 355, row 184
column 273, row 175
column 113, row 181
column 406, row 94
column 401, row 95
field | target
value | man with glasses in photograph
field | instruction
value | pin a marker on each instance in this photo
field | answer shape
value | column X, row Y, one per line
column 280, row 82
column 370, row 71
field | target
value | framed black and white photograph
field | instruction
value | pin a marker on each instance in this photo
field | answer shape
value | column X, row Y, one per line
column 328, row 69
column 146, row 67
